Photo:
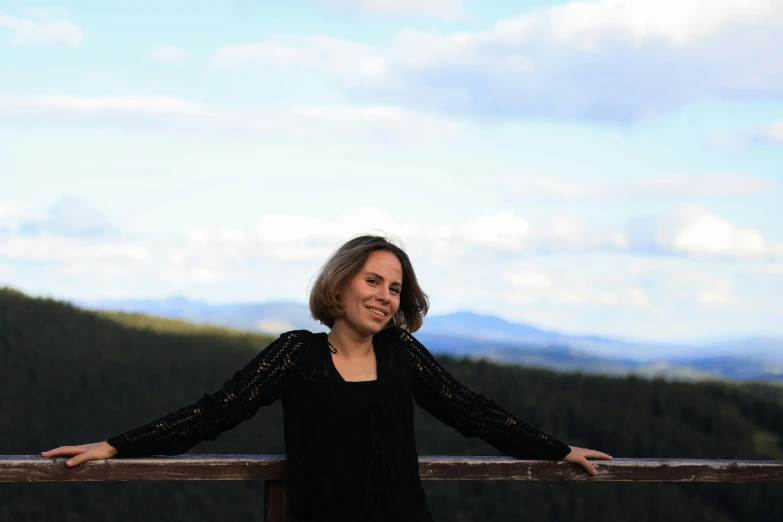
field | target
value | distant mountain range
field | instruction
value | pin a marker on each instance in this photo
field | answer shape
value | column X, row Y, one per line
column 485, row 336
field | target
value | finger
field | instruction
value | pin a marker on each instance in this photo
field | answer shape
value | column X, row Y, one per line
column 600, row 455
column 588, row 467
column 75, row 461
column 597, row 455
column 62, row 450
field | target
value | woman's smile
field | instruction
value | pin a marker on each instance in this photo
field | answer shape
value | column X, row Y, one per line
column 378, row 314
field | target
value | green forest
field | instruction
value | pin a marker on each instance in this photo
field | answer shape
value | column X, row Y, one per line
column 72, row 376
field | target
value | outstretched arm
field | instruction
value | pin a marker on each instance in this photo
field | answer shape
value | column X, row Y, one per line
column 472, row 414
column 260, row 383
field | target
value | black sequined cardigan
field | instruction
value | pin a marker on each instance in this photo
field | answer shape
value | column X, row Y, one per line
column 297, row 368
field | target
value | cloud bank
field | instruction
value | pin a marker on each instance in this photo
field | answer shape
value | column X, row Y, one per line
column 41, row 29
column 611, row 60
column 444, row 9
column 165, row 112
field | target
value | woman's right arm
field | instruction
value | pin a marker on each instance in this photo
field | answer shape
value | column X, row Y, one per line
column 260, row 383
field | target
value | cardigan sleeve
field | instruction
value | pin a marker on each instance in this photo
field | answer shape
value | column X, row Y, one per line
column 470, row 413
column 260, row 383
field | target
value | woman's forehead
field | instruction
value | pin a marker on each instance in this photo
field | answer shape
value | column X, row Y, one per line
column 384, row 263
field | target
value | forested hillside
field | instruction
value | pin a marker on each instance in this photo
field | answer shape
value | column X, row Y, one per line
column 71, row 376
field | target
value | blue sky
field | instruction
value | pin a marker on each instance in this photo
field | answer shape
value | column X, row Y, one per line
column 609, row 167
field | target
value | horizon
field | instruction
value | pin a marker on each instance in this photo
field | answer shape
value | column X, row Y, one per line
column 697, row 341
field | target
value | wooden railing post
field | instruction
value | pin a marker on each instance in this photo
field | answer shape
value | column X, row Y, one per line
column 276, row 508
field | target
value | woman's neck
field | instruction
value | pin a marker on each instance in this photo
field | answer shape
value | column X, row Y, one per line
column 348, row 342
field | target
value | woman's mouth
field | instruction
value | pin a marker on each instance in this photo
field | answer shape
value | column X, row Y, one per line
column 378, row 314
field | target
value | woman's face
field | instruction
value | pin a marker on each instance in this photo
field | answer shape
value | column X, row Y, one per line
column 372, row 297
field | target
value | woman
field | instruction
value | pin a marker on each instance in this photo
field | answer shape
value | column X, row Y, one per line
column 346, row 397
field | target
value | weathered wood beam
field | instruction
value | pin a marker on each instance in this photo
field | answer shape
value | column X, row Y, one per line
column 615, row 470
column 276, row 504
column 33, row 468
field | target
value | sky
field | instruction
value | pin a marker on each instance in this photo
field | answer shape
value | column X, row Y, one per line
column 609, row 167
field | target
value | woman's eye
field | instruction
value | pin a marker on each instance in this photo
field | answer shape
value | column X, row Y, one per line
column 375, row 282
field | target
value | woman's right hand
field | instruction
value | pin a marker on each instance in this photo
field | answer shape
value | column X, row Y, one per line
column 82, row 453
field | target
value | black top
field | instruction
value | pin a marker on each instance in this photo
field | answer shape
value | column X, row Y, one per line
column 350, row 446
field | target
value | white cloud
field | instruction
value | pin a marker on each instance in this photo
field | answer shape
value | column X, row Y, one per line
column 569, row 296
column 506, row 231
column 178, row 259
column 530, row 279
column 122, row 111
column 772, row 133
column 690, row 230
column 258, row 54
column 724, row 141
column 715, row 298
column 530, row 283
column 198, row 234
column 444, row 9
column 40, row 30
column 610, row 60
column 696, row 231
column 502, row 229
column 637, row 22
column 660, row 186
column 70, row 216
column 121, row 249
column 638, row 298
column 203, row 275
column 54, row 248
column 183, row 278
column 383, row 123
column 288, row 228
column 201, row 235
column 710, row 234
column 232, row 235
column 167, row 53
column 764, row 271
column 375, row 122
column 440, row 232
column 350, row 60
column 684, row 279
column 7, row 211
column 568, row 231
column 501, row 232
column 297, row 237
column 106, row 264
column 72, row 239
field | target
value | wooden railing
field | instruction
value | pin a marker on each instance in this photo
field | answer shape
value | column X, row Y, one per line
column 272, row 470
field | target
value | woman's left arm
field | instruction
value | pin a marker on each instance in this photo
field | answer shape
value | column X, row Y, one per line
column 473, row 415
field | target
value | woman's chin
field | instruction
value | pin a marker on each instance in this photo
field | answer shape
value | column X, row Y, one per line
column 376, row 326
column 367, row 327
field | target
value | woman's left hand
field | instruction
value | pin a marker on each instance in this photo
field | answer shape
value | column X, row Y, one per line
column 580, row 456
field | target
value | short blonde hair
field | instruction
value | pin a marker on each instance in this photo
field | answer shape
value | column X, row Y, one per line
column 345, row 263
